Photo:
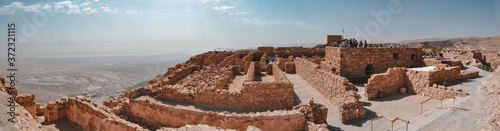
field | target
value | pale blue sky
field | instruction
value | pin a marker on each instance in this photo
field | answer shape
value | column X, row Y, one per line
column 194, row 26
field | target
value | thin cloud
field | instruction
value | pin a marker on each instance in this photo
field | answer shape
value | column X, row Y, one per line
column 247, row 21
column 67, row 7
column 222, row 8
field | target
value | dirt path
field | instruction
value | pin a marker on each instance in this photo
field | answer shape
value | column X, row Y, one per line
column 405, row 106
column 469, row 112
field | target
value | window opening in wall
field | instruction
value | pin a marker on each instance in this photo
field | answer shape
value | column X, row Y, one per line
column 396, row 57
column 412, row 56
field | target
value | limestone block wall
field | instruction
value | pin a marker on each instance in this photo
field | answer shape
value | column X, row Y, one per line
column 464, row 55
column 423, row 83
column 290, row 67
column 88, row 115
column 155, row 112
column 468, row 74
column 282, row 62
column 215, row 58
column 444, row 74
column 308, row 53
column 267, row 49
column 432, row 62
column 173, row 75
column 388, row 83
column 235, row 59
column 354, row 61
column 335, row 88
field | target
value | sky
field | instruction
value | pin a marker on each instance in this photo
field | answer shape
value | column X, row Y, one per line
column 101, row 27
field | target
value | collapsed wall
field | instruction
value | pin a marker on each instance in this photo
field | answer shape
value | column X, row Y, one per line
column 335, row 88
column 86, row 114
column 425, row 83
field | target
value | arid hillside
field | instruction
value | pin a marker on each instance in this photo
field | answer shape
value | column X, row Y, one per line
column 489, row 46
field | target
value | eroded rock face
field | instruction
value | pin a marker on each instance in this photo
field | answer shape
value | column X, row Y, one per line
column 316, row 113
column 490, row 88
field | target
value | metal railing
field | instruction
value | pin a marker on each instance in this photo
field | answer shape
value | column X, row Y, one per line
column 441, row 99
column 390, row 120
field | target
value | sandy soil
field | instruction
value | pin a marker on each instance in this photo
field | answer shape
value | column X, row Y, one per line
column 469, row 115
column 237, row 84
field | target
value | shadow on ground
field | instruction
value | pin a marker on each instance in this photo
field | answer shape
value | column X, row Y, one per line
column 296, row 99
column 359, row 122
column 63, row 125
column 393, row 97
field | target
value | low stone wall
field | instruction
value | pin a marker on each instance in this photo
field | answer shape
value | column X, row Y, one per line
column 468, row 74
column 287, row 120
column 423, row 83
column 388, row 83
column 88, row 115
column 335, row 88
column 173, row 75
column 444, row 74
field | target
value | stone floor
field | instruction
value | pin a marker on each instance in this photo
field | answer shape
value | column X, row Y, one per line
column 237, row 83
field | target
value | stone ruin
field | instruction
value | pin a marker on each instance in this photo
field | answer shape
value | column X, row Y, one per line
column 249, row 90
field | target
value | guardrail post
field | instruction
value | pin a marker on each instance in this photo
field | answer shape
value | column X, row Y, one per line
column 421, row 108
column 441, row 103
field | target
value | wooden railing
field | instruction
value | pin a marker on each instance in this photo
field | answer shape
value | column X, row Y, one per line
column 390, row 120
column 422, row 103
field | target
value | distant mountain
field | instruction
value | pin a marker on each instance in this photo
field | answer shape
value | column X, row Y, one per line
column 485, row 44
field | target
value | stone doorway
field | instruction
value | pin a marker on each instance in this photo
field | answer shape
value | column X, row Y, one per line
column 369, row 69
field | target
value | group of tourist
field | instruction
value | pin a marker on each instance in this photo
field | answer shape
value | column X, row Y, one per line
column 270, row 59
column 433, row 55
column 350, row 43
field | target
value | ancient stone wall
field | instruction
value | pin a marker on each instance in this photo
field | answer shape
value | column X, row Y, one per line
column 436, row 62
column 156, row 112
column 215, row 58
column 310, row 53
column 90, row 116
column 174, row 74
column 267, row 49
column 388, row 83
column 358, row 61
column 423, row 83
column 444, row 74
column 330, row 39
column 27, row 100
column 335, row 88
column 464, row 55
column 235, row 59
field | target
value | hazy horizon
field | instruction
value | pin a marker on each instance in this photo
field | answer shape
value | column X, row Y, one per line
column 104, row 27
